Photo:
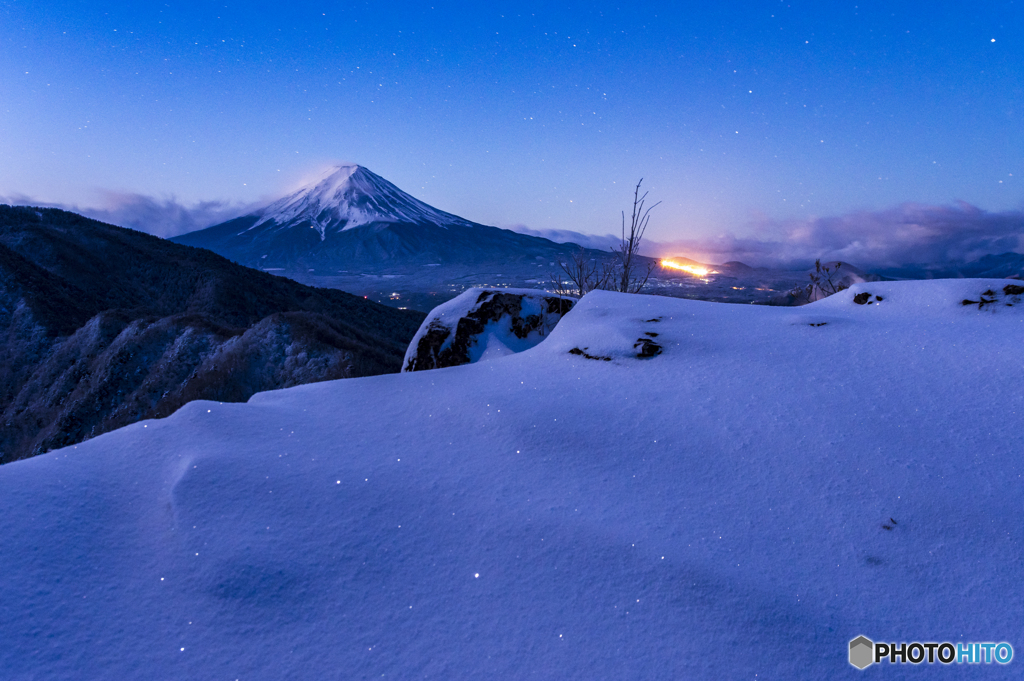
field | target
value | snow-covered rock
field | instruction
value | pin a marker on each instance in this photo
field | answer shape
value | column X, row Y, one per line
column 483, row 324
column 774, row 484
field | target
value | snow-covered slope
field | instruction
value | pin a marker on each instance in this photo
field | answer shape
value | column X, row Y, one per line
column 350, row 196
column 777, row 482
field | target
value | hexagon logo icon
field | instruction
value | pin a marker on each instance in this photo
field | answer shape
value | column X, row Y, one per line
column 862, row 652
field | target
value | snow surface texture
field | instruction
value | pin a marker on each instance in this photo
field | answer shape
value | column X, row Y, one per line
column 777, row 482
column 351, row 196
column 482, row 324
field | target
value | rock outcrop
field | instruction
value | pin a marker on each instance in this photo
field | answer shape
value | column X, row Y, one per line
column 482, row 324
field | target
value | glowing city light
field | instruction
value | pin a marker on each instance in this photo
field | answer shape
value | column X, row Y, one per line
column 689, row 269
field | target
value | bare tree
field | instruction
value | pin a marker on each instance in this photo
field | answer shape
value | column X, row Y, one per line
column 628, row 278
column 561, row 287
column 585, row 275
column 825, row 281
column 623, row 274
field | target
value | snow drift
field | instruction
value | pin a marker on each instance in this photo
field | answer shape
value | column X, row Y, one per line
column 775, row 483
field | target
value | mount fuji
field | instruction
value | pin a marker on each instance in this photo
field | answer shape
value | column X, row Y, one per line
column 351, row 229
column 353, row 219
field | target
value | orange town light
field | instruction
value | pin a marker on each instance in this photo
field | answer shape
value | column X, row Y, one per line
column 689, row 269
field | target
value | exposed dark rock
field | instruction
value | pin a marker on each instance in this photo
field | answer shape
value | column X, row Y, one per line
column 451, row 334
column 862, row 298
column 1011, row 293
column 586, row 355
column 646, row 348
column 981, row 302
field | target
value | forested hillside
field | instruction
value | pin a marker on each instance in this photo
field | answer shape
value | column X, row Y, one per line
column 102, row 326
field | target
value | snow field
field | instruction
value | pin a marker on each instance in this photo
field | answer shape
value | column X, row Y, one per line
column 717, row 511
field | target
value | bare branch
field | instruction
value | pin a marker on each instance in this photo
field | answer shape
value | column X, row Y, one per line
column 825, row 281
column 629, row 247
column 584, row 274
column 623, row 274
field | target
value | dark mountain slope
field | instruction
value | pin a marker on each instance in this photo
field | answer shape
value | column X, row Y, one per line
column 987, row 267
column 376, row 246
column 102, row 326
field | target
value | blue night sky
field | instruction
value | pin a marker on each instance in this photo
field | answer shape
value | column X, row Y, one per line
column 738, row 115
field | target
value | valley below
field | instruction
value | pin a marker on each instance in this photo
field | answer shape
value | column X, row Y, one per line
column 423, row 287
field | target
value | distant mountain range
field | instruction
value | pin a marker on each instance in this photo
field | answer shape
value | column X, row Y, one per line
column 988, row 266
column 103, row 326
column 351, row 218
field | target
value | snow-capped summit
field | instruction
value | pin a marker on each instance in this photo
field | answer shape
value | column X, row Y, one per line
column 349, row 196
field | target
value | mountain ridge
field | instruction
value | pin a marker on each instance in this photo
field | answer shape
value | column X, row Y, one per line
column 102, row 326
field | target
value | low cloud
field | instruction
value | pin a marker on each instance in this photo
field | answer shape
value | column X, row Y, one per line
column 565, row 236
column 909, row 234
column 163, row 217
